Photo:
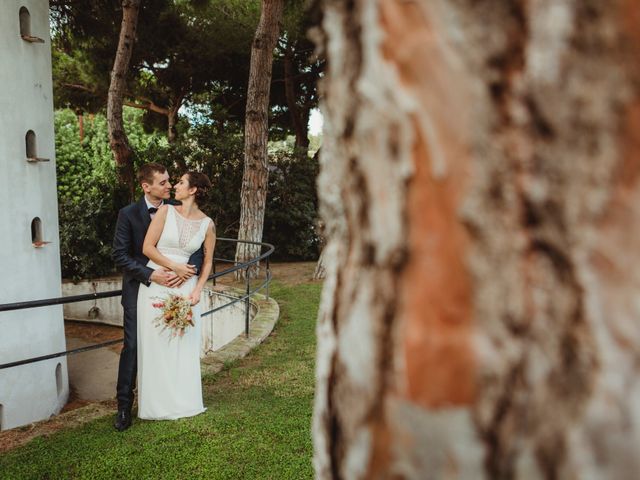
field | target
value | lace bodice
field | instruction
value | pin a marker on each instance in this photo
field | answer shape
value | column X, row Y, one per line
column 180, row 236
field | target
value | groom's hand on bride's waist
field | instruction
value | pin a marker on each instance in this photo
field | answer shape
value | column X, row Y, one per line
column 176, row 282
column 166, row 278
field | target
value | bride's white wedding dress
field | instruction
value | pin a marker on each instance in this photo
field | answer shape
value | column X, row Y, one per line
column 169, row 382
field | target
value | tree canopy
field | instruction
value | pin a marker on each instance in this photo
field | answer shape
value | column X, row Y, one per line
column 187, row 53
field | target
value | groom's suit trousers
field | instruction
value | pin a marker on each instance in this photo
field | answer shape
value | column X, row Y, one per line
column 128, row 367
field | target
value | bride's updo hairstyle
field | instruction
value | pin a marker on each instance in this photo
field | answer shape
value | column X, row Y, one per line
column 202, row 183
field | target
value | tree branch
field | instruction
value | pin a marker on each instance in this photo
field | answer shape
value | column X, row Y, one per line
column 78, row 86
column 148, row 106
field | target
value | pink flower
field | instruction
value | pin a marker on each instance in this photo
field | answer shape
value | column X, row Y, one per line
column 158, row 305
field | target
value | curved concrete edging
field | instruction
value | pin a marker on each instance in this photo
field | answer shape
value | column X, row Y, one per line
column 262, row 324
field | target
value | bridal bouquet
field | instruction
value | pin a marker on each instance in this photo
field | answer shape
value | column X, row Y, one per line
column 175, row 314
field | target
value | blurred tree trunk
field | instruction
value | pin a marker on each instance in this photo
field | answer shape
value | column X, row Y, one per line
column 255, row 178
column 117, row 136
column 480, row 187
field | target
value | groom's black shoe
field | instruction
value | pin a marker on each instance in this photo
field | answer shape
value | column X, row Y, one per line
column 123, row 420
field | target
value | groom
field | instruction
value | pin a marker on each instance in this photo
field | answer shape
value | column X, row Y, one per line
column 131, row 228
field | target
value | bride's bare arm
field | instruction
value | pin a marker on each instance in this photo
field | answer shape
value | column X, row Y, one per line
column 150, row 250
column 209, row 245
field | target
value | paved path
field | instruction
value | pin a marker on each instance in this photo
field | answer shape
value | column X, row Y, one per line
column 92, row 374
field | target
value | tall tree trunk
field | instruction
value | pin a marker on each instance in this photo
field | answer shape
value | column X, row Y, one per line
column 254, row 181
column 172, row 119
column 172, row 116
column 172, row 136
column 117, row 137
column 480, row 188
column 80, row 116
column 299, row 116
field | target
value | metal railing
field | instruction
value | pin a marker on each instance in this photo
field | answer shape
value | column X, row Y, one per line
column 246, row 266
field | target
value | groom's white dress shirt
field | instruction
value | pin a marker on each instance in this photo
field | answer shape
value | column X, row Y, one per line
column 151, row 205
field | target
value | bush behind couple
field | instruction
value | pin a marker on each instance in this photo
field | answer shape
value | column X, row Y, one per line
column 153, row 239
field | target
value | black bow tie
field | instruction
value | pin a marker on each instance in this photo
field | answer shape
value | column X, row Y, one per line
column 152, row 210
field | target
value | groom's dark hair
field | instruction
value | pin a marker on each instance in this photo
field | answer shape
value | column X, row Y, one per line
column 146, row 172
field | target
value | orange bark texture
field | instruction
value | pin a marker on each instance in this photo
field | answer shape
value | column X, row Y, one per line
column 502, row 334
column 436, row 296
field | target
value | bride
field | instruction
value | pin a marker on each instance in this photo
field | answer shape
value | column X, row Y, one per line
column 169, row 383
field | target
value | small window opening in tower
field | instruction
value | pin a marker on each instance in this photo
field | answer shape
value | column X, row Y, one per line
column 31, row 149
column 36, row 233
column 25, row 26
column 30, row 143
column 25, row 22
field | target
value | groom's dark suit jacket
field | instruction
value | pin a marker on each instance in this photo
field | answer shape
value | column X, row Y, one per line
column 131, row 228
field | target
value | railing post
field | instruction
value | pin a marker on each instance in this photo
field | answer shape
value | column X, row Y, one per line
column 214, row 272
column 246, row 303
column 268, row 276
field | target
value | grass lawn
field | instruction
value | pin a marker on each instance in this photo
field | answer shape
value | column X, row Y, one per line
column 258, row 422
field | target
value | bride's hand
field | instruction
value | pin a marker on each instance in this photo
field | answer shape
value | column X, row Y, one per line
column 184, row 270
column 195, row 296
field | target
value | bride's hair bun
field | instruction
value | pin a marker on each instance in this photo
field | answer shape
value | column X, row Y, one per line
column 202, row 183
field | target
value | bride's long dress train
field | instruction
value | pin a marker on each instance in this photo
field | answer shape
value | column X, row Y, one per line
column 169, row 381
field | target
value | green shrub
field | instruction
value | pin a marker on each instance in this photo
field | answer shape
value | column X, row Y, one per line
column 86, row 230
column 292, row 206
column 89, row 196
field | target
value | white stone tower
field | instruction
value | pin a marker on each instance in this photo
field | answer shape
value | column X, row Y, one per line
column 29, row 246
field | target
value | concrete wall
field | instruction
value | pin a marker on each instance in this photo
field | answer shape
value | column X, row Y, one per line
column 104, row 310
column 223, row 326
column 218, row 329
column 34, row 391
